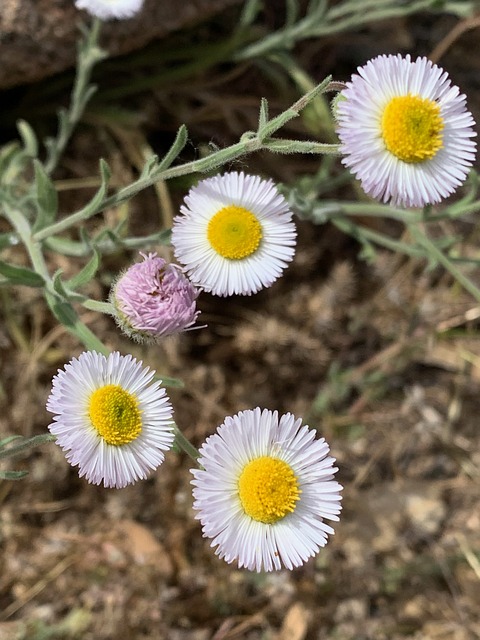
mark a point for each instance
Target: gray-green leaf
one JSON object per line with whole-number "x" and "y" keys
{"x": 21, "y": 275}
{"x": 47, "y": 198}
{"x": 13, "y": 475}
{"x": 86, "y": 274}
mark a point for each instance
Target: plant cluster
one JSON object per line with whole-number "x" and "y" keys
{"x": 263, "y": 484}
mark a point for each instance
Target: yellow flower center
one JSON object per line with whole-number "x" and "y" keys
{"x": 234, "y": 232}
{"x": 412, "y": 128}
{"x": 268, "y": 489}
{"x": 115, "y": 414}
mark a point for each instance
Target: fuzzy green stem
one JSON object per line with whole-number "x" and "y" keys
{"x": 373, "y": 211}
{"x": 88, "y": 55}
{"x": 79, "y": 249}
{"x": 323, "y": 123}
{"x": 183, "y": 443}
{"x": 62, "y": 309}
{"x": 363, "y": 234}
{"x": 67, "y": 316}
{"x": 440, "y": 257}
{"x": 98, "y": 306}
{"x": 323, "y": 210}
{"x": 248, "y": 143}
{"x": 455, "y": 211}
{"x": 22, "y": 227}
{"x": 340, "y": 18}
{"x": 196, "y": 166}
{"x": 27, "y": 443}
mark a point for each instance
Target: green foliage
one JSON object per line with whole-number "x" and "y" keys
{"x": 29, "y": 199}
{"x": 20, "y": 275}
{"x": 326, "y": 19}
{"x": 21, "y": 446}
{"x": 46, "y": 198}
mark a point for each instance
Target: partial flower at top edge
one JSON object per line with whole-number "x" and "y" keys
{"x": 111, "y": 9}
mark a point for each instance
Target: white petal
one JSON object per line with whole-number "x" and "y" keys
{"x": 108, "y": 9}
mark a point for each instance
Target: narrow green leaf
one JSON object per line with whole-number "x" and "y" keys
{"x": 98, "y": 198}
{"x": 150, "y": 165}
{"x": 47, "y": 198}
{"x": 279, "y": 145}
{"x": 8, "y": 154}
{"x": 89, "y": 93}
{"x": 66, "y": 315}
{"x": 172, "y": 382}
{"x": 85, "y": 238}
{"x": 25, "y": 444}
{"x": 91, "y": 208}
{"x": 99, "y": 307}
{"x": 105, "y": 242}
{"x": 250, "y": 11}
{"x": 59, "y": 285}
{"x": 7, "y": 440}
{"x": 63, "y": 121}
{"x": 108, "y": 238}
{"x": 279, "y": 121}
{"x": 13, "y": 159}
{"x": 67, "y": 247}
{"x": 317, "y": 8}
{"x": 161, "y": 237}
{"x": 177, "y": 146}
{"x": 29, "y": 139}
{"x": 105, "y": 173}
{"x": 21, "y": 275}
{"x": 13, "y": 475}
{"x": 86, "y": 274}
{"x": 464, "y": 9}
{"x": 263, "y": 116}
{"x": 63, "y": 311}
{"x": 292, "y": 11}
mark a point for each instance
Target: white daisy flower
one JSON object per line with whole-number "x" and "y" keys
{"x": 112, "y": 420}
{"x": 405, "y": 131}
{"x": 265, "y": 486}
{"x": 236, "y": 234}
{"x": 109, "y": 9}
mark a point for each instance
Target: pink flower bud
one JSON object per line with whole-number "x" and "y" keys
{"x": 153, "y": 299}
